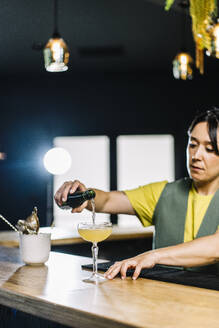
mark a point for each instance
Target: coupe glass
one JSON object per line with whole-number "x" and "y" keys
{"x": 95, "y": 233}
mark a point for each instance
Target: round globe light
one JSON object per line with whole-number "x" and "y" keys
{"x": 57, "y": 161}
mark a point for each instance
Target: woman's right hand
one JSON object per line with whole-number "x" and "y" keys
{"x": 69, "y": 187}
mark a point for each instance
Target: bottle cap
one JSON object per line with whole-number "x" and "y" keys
{"x": 90, "y": 194}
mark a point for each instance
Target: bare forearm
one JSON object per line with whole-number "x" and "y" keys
{"x": 101, "y": 200}
{"x": 201, "y": 251}
{"x": 113, "y": 202}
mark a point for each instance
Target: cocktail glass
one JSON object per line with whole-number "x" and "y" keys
{"x": 95, "y": 233}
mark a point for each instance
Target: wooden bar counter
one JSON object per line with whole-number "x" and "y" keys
{"x": 62, "y": 236}
{"x": 56, "y": 292}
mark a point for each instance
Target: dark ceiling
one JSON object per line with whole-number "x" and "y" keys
{"x": 101, "y": 34}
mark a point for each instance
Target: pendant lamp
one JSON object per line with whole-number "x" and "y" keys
{"x": 56, "y": 53}
{"x": 183, "y": 62}
{"x": 182, "y": 66}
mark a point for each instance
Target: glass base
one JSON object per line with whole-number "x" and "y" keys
{"x": 95, "y": 278}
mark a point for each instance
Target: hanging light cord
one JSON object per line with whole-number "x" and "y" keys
{"x": 56, "y": 33}
{"x": 184, "y": 6}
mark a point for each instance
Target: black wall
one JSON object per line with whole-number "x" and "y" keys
{"x": 36, "y": 109}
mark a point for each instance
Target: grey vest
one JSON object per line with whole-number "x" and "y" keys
{"x": 170, "y": 215}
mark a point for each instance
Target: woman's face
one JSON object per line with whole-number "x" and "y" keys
{"x": 202, "y": 161}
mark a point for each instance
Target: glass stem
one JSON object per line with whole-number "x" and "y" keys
{"x": 94, "y": 249}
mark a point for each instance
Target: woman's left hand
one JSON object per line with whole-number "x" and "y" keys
{"x": 139, "y": 262}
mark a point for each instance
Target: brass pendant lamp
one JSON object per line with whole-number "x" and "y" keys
{"x": 182, "y": 66}
{"x": 56, "y": 53}
{"x": 183, "y": 62}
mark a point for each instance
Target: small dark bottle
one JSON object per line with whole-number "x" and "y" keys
{"x": 77, "y": 199}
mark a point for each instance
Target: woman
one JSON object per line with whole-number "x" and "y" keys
{"x": 185, "y": 212}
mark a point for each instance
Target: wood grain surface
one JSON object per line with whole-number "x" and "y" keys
{"x": 56, "y": 291}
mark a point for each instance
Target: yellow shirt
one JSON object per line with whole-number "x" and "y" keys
{"x": 144, "y": 200}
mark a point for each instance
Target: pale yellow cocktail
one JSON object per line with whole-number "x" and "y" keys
{"x": 95, "y": 235}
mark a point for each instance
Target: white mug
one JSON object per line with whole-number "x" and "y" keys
{"x": 35, "y": 248}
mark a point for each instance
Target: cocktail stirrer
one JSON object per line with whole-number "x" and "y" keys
{"x": 6, "y": 221}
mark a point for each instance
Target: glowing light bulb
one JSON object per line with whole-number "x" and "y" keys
{"x": 184, "y": 59}
{"x": 57, "y": 51}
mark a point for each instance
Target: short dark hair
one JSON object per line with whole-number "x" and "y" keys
{"x": 212, "y": 118}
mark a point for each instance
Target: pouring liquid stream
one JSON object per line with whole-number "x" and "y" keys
{"x": 93, "y": 211}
